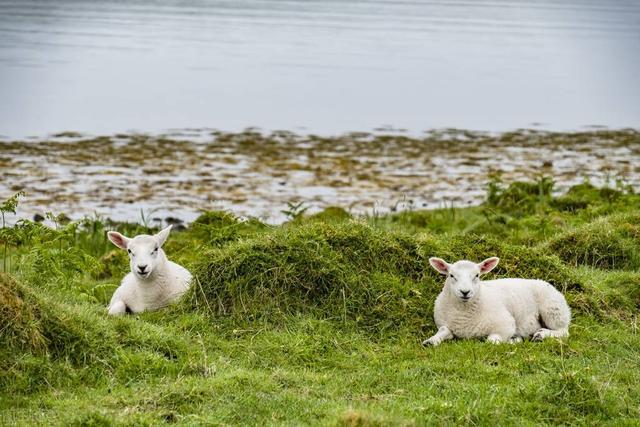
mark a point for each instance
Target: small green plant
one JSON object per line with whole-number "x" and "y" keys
{"x": 295, "y": 210}
{"x": 10, "y": 205}
{"x": 7, "y": 236}
{"x": 494, "y": 189}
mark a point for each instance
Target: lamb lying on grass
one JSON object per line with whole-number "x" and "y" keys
{"x": 504, "y": 310}
{"x": 154, "y": 281}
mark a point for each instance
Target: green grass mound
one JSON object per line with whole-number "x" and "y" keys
{"x": 611, "y": 242}
{"x": 55, "y": 338}
{"x": 609, "y": 294}
{"x": 345, "y": 271}
{"x": 19, "y": 317}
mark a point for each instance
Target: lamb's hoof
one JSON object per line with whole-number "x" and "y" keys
{"x": 538, "y": 336}
{"x": 430, "y": 343}
{"x": 515, "y": 339}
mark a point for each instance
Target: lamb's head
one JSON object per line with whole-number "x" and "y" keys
{"x": 145, "y": 252}
{"x": 463, "y": 277}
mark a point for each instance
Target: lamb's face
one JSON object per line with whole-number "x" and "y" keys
{"x": 463, "y": 280}
{"x": 144, "y": 251}
{"x": 463, "y": 277}
{"x": 143, "y": 255}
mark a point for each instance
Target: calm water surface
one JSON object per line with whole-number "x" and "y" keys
{"x": 321, "y": 66}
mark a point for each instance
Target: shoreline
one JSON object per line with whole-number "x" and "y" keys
{"x": 252, "y": 174}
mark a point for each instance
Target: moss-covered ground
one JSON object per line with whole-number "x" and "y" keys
{"x": 319, "y": 320}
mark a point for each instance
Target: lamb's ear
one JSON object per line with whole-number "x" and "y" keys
{"x": 118, "y": 239}
{"x": 488, "y": 264}
{"x": 162, "y": 235}
{"x": 440, "y": 265}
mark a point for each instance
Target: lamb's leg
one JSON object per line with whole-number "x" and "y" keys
{"x": 443, "y": 334}
{"x": 496, "y": 339}
{"x": 555, "y": 315}
{"x": 504, "y": 328}
{"x": 117, "y": 308}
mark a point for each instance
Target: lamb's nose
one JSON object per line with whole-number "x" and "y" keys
{"x": 465, "y": 293}
{"x": 142, "y": 268}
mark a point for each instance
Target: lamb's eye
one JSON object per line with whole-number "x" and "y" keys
{"x": 154, "y": 251}
{"x": 129, "y": 250}
{"x": 477, "y": 276}
{"x": 453, "y": 277}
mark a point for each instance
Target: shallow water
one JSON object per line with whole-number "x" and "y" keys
{"x": 249, "y": 174}
{"x": 323, "y": 66}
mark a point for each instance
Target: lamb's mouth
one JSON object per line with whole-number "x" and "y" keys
{"x": 144, "y": 275}
{"x": 465, "y": 299}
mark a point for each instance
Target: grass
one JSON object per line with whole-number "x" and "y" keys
{"x": 319, "y": 321}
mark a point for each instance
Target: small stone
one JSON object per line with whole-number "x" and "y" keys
{"x": 63, "y": 219}
{"x": 38, "y": 218}
{"x": 179, "y": 227}
{"x": 173, "y": 220}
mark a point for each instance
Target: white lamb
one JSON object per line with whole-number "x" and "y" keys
{"x": 154, "y": 281}
{"x": 504, "y": 310}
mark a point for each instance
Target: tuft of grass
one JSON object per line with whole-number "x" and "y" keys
{"x": 216, "y": 228}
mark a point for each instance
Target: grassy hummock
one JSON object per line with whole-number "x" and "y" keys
{"x": 319, "y": 320}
